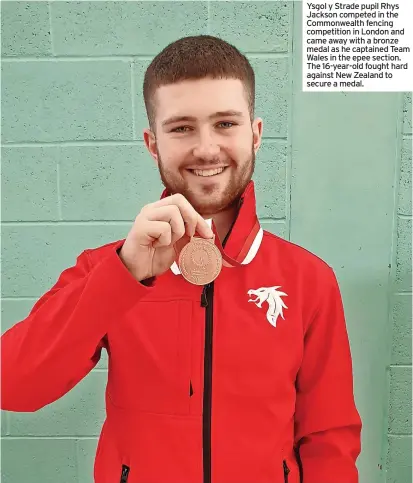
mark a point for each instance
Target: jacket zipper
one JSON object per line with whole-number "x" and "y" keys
{"x": 207, "y": 301}
{"x": 125, "y": 473}
{"x": 286, "y": 471}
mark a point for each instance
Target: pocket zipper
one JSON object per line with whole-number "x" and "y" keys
{"x": 125, "y": 473}
{"x": 286, "y": 471}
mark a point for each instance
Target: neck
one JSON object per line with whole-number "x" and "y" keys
{"x": 224, "y": 220}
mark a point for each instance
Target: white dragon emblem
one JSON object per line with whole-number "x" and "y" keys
{"x": 275, "y": 303}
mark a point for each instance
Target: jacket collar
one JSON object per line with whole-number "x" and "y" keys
{"x": 243, "y": 225}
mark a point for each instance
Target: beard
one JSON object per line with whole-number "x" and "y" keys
{"x": 213, "y": 198}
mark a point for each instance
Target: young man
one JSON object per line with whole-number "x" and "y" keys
{"x": 244, "y": 378}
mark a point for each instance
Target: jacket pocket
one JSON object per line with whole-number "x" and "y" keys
{"x": 286, "y": 471}
{"x": 125, "y": 473}
{"x": 150, "y": 359}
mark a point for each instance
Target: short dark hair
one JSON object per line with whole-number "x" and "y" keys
{"x": 197, "y": 57}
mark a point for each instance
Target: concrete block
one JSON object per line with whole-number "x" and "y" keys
{"x": 25, "y": 29}
{"x": 402, "y": 329}
{"x": 38, "y": 460}
{"x": 399, "y": 460}
{"x": 86, "y": 452}
{"x": 404, "y": 255}
{"x": 124, "y": 28}
{"x": 4, "y": 423}
{"x": 29, "y": 184}
{"x": 58, "y": 101}
{"x": 407, "y": 113}
{"x": 270, "y": 180}
{"x": 400, "y": 402}
{"x": 253, "y": 26}
{"x": 272, "y": 94}
{"x": 405, "y": 186}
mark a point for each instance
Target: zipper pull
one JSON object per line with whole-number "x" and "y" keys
{"x": 204, "y": 299}
{"x": 125, "y": 473}
{"x": 191, "y": 390}
{"x": 286, "y": 471}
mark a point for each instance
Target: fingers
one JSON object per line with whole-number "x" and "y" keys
{"x": 159, "y": 232}
{"x": 172, "y": 216}
{"x": 193, "y": 221}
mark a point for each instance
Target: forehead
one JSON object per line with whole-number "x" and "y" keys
{"x": 200, "y": 97}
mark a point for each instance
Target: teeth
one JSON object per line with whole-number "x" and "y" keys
{"x": 207, "y": 172}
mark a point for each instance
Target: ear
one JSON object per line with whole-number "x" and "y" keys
{"x": 150, "y": 143}
{"x": 257, "y": 129}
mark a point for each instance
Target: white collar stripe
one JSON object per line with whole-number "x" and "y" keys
{"x": 254, "y": 247}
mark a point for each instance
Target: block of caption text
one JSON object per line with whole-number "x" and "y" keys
{"x": 357, "y": 46}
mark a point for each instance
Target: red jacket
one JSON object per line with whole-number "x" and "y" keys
{"x": 246, "y": 380}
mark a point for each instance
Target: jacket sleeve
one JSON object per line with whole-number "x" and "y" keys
{"x": 327, "y": 423}
{"x": 45, "y": 355}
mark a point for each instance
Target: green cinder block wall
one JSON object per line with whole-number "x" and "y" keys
{"x": 333, "y": 175}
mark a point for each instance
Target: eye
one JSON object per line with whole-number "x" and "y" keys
{"x": 177, "y": 129}
{"x": 228, "y": 122}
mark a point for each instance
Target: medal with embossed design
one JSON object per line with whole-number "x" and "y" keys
{"x": 200, "y": 261}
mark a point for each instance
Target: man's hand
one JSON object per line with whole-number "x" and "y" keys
{"x": 149, "y": 247}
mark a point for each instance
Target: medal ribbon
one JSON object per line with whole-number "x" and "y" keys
{"x": 227, "y": 261}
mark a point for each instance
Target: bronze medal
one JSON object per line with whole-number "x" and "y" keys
{"x": 200, "y": 261}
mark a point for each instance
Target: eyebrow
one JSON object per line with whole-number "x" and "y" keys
{"x": 230, "y": 113}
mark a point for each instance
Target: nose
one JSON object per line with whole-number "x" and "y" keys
{"x": 206, "y": 147}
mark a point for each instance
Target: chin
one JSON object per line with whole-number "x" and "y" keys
{"x": 208, "y": 208}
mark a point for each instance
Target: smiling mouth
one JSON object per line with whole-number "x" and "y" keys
{"x": 206, "y": 173}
